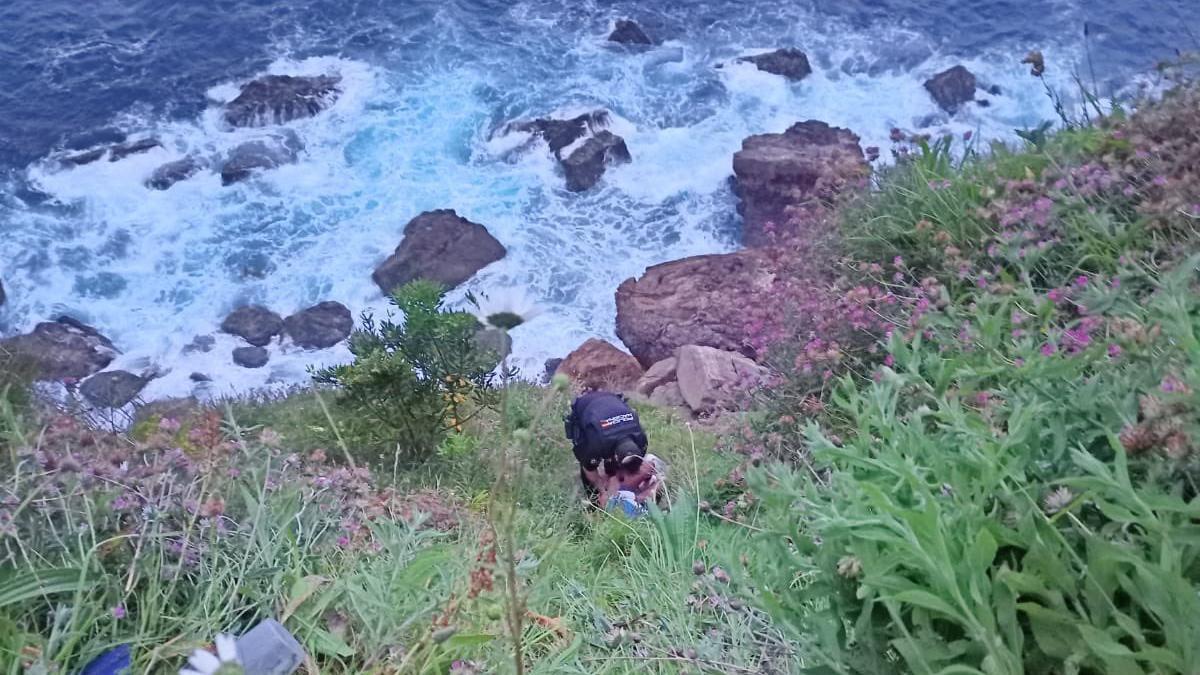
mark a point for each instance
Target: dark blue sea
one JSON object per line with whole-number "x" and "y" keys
{"x": 426, "y": 85}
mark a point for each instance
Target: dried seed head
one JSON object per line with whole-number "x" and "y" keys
{"x": 699, "y": 567}
{"x": 849, "y": 567}
{"x": 1057, "y": 500}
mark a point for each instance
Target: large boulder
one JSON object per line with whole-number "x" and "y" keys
{"x": 706, "y": 300}
{"x": 251, "y": 357}
{"x": 495, "y": 342}
{"x": 952, "y": 88}
{"x": 584, "y": 167}
{"x": 660, "y": 385}
{"x": 276, "y": 99}
{"x": 264, "y": 154}
{"x": 62, "y": 349}
{"x": 439, "y": 246}
{"x": 785, "y": 181}
{"x": 790, "y": 63}
{"x": 254, "y": 324}
{"x": 711, "y": 379}
{"x": 599, "y": 365}
{"x": 582, "y": 145}
{"x": 172, "y": 172}
{"x": 628, "y": 32}
{"x": 321, "y": 326}
{"x": 112, "y": 389}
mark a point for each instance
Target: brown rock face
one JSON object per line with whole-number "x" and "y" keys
{"x": 952, "y": 88}
{"x": 712, "y": 379}
{"x": 599, "y": 365}
{"x": 786, "y": 180}
{"x": 439, "y": 246}
{"x": 62, "y": 349}
{"x": 704, "y": 300}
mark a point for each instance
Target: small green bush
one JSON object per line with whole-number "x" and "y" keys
{"x": 419, "y": 379}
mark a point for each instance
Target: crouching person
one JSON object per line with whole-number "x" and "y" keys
{"x": 610, "y": 446}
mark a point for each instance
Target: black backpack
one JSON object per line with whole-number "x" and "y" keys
{"x": 597, "y": 422}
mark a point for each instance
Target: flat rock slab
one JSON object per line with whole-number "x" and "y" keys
{"x": 112, "y": 389}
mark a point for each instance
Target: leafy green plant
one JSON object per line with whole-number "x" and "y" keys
{"x": 420, "y": 378}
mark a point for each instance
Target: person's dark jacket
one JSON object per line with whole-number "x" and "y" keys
{"x": 597, "y": 424}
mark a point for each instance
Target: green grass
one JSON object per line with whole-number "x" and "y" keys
{"x": 624, "y": 593}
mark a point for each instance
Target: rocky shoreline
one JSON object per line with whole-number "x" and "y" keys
{"x": 691, "y": 326}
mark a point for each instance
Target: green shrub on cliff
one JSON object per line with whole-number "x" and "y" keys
{"x": 420, "y": 378}
{"x": 1015, "y": 488}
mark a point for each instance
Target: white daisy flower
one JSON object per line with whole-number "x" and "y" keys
{"x": 224, "y": 662}
{"x": 504, "y": 308}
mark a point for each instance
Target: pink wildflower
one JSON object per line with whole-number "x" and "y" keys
{"x": 118, "y": 612}
{"x": 1049, "y": 349}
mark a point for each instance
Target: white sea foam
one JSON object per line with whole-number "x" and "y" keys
{"x": 395, "y": 145}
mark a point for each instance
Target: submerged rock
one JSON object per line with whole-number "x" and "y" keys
{"x": 582, "y": 145}
{"x": 261, "y": 155}
{"x": 321, "y": 326}
{"x": 112, "y": 389}
{"x": 115, "y": 152}
{"x": 597, "y": 364}
{"x": 952, "y": 88}
{"x": 790, "y": 63}
{"x": 172, "y": 172}
{"x": 784, "y": 181}
{"x": 628, "y": 32}
{"x": 251, "y": 357}
{"x": 254, "y": 324}
{"x": 276, "y": 99}
{"x": 61, "y": 349}
{"x": 439, "y": 246}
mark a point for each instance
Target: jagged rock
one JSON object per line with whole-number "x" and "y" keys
{"x": 251, "y": 357}
{"x": 123, "y": 150}
{"x": 668, "y": 395}
{"x": 112, "y": 389}
{"x": 599, "y": 365}
{"x": 439, "y": 246}
{"x": 321, "y": 326}
{"x": 656, "y": 376}
{"x": 582, "y": 146}
{"x": 585, "y": 166}
{"x": 261, "y": 155}
{"x": 254, "y": 324}
{"x": 704, "y": 300}
{"x": 172, "y": 172}
{"x": 712, "y": 379}
{"x": 628, "y": 32}
{"x": 276, "y": 99}
{"x": 115, "y": 152}
{"x": 785, "y": 181}
{"x": 790, "y": 63}
{"x": 62, "y": 349}
{"x": 952, "y": 87}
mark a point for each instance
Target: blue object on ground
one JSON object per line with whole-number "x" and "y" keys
{"x": 269, "y": 649}
{"x": 112, "y": 662}
{"x": 627, "y": 502}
